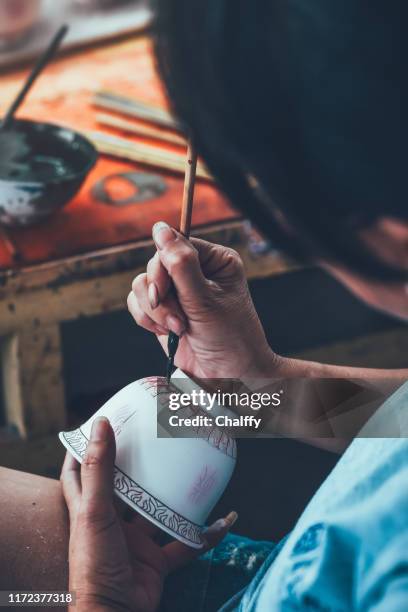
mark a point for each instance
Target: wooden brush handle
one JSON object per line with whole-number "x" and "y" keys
{"x": 188, "y": 193}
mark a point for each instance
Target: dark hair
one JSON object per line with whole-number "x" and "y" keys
{"x": 299, "y": 109}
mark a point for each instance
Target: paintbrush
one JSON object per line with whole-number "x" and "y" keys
{"x": 125, "y": 148}
{"x": 185, "y": 227}
{"x": 11, "y": 144}
{"x": 134, "y": 108}
{"x": 41, "y": 63}
{"x": 139, "y": 129}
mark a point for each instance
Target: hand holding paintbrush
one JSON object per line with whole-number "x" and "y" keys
{"x": 198, "y": 290}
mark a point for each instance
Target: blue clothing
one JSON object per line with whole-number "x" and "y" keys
{"x": 204, "y": 586}
{"x": 348, "y": 551}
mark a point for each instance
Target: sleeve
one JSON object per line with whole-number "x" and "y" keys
{"x": 394, "y": 596}
{"x": 387, "y": 580}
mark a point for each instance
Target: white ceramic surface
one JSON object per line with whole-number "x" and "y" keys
{"x": 174, "y": 482}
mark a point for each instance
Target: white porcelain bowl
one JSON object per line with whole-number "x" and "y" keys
{"x": 174, "y": 482}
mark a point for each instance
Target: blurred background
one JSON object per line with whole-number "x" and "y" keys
{"x": 26, "y": 24}
{"x": 68, "y": 342}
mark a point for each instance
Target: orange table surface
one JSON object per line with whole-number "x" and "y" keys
{"x": 63, "y": 95}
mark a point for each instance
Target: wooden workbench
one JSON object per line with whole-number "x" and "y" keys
{"x": 35, "y": 300}
{"x": 81, "y": 262}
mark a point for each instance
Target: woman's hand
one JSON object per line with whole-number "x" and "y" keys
{"x": 114, "y": 565}
{"x": 211, "y": 307}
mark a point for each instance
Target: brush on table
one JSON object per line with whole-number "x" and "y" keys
{"x": 130, "y": 150}
{"x": 185, "y": 227}
{"x": 138, "y": 129}
{"x": 135, "y": 108}
{"x": 41, "y": 63}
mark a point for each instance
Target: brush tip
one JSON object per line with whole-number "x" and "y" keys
{"x": 170, "y": 363}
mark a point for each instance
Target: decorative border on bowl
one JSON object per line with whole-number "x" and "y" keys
{"x": 215, "y": 436}
{"x": 141, "y": 498}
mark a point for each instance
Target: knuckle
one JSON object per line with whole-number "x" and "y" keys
{"x": 138, "y": 283}
{"x": 143, "y": 320}
{"x": 152, "y": 266}
{"x": 135, "y": 308}
{"x": 139, "y": 315}
{"x": 134, "y": 283}
{"x": 138, "y": 318}
{"x": 130, "y": 301}
{"x": 182, "y": 259}
{"x": 235, "y": 259}
{"x": 93, "y": 456}
{"x": 232, "y": 254}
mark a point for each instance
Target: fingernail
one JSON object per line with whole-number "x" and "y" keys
{"x": 153, "y": 296}
{"x": 162, "y": 234}
{"x": 222, "y": 523}
{"x": 231, "y": 518}
{"x": 175, "y": 325}
{"x": 100, "y": 429}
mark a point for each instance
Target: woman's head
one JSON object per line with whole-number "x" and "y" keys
{"x": 300, "y": 111}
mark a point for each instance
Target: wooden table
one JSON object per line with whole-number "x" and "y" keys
{"x": 81, "y": 262}
{"x": 35, "y": 300}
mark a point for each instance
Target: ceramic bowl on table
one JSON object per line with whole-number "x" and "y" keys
{"x": 42, "y": 167}
{"x": 173, "y": 482}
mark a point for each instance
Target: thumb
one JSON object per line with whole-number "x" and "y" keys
{"x": 97, "y": 469}
{"x": 181, "y": 260}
